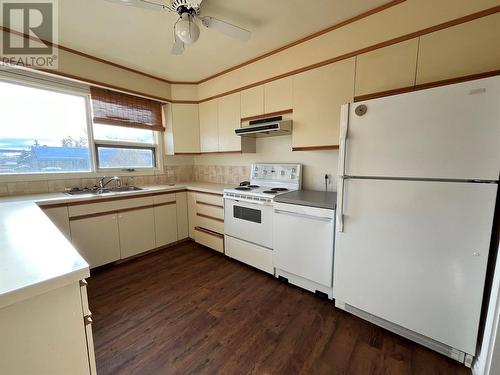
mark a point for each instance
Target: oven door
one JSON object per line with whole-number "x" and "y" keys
{"x": 252, "y": 222}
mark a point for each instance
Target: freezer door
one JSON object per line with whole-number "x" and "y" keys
{"x": 415, "y": 253}
{"x": 449, "y": 132}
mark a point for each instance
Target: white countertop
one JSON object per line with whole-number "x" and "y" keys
{"x": 35, "y": 257}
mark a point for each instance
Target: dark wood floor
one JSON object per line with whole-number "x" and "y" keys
{"x": 190, "y": 310}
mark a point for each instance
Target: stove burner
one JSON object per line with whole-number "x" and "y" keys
{"x": 243, "y": 188}
{"x": 279, "y": 189}
{"x": 253, "y": 186}
{"x": 270, "y": 192}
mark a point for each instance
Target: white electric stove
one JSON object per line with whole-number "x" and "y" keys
{"x": 248, "y": 213}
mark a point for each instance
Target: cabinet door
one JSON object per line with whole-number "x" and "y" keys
{"x": 209, "y": 135}
{"x": 165, "y": 223}
{"x": 137, "y": 231}
{"x": 186, "y": 128}
{"x": 387, "y": 68}
{"x": 317, "y": 97}
{"x": 45, "y": 334}
{"x": 252, "y": 102}
{"x": 229, "y": 119}
{"x": 182, "y": 216}
{"x": 191, "y": 201}
{"x": 96, "y": 239}
{"x": 468, "y": 48}
{"x": 59, "y": 216}
{"x": 278, "y": 95}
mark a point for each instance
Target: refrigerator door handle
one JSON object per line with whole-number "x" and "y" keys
{"x": 340, "y": 205}
{"x": 344, "y": 123}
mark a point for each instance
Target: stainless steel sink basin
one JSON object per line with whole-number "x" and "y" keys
{"x": 123, "y": 188}
{"x": 97, "y": 191}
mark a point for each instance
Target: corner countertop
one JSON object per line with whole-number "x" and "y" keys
{"x": 311, "y": 198}
{"x": 35, "y": 257}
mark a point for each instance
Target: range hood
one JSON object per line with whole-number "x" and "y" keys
{"x": 266, "y": 127}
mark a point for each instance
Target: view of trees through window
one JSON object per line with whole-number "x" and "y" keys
{"x": 45, "y": 131}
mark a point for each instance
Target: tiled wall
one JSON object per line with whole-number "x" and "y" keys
{"x": 221, "y": 174}
{"x": 173, "y": 174}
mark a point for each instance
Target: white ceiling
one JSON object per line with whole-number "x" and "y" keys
{"x": 142, "y": 38}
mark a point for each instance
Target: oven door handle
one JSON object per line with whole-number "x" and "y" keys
{"x": 248, "y": 201}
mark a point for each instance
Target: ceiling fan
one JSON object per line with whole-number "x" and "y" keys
{"x": 186, "y": 31}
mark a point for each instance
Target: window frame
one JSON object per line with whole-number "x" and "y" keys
{"x": 81, "y": 90}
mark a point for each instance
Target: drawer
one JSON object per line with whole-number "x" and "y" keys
{"x": 113, "y": 204}
{"x": 212, "y": 240}
{"x": 164, "y": 198}
{"x": 210, "y": 209}
{"x": 210, "y": 223}
{"x": 210, "y": 198}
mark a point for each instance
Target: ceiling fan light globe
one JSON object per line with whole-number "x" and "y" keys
{"x": 186, "y": 30}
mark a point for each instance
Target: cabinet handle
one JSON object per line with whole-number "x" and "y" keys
{"x": 87, "y": 319}
{"x": 83, "y": 283}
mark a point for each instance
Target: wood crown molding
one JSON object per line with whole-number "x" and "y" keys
{"x": 172, "y": 82}
{"x": 427, "y": 85}
{"x": 307, "y": 38}
{"x": 441, "y": 26}
{"x": 416, "y": 34}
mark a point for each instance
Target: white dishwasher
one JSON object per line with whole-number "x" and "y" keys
{"x": 303, "y": 239}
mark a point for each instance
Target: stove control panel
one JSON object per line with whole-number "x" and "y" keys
{"x": 281, "y": 175}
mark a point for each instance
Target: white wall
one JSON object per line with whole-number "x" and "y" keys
{"x": 278, "y": 150}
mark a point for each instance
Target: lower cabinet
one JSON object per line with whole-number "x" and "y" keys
{"x": 137, "y": 231}
{"x": 165, "y": 216}
{"x": 206, "y": 219}
{"x": 48, "y": 334}
{"x": 117, "y": 229}
{"x": 96, "y": 238}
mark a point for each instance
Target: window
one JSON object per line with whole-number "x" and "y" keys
{"x": 47, "y": 128}
{"x": 42, "y": 131}
{"x": 125, "y": 130}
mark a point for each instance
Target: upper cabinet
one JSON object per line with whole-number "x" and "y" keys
{"x": 278, "y": 95}
{"x": 274, "y": 96}
{"x": 387, "y": 68}
{"x": 468, "y": 48}
{"x": 317, "y": 97}
{"x": 218, "y": 120}
{"x": 209, "y": 133}
{"x": 182, "y": 133}
{"x": 252, "y": 101}
{"x": 229, "y": 119}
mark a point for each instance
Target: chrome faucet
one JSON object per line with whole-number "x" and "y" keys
{"x": 103, "y": 184}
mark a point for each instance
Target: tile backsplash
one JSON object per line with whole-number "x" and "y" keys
{"x": 173, "y": 174}
{"x": 221, "y": 174}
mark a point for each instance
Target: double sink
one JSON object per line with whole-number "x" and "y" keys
{"x": 98, "y": 191}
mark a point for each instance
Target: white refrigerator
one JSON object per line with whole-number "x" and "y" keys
{"x": 418, "y": 180}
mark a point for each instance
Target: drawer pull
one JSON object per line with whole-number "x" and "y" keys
{"x": 83, "y": 283}
{"x": 87, "y": 319}
{"x": 210, "y": 204}
{"x": 209, "y": 217}
{"x": 209, "y": 232}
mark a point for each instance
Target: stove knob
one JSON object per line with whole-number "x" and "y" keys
{"x": 292, "y": 176}
{"x": 282, "y": 172}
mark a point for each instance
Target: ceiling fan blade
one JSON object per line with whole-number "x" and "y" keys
{"x": 140, "y": 4}
{"x": 178, "y": 47}
{"x": 226, "y": 28}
